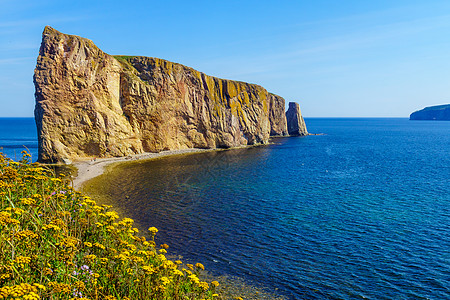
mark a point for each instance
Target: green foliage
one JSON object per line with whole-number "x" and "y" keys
{"x": 124, "y": 58}
{"x": 56, "y": 243}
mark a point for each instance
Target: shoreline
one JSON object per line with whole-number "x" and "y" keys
{"x": 88, "y": 169}
{"x": 230, "y": 285}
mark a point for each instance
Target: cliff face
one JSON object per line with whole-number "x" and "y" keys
{"x": 438, "y": 113}
{"x": 295, "y": 123}
{"x": 89, "y": 103}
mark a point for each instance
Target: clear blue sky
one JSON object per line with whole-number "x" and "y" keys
{"x": 336, "y": 58}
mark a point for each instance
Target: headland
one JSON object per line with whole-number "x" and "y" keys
{"x": 90, "y": 104}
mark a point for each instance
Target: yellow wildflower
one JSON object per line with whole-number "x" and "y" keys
{"x": 51, "y": 226}
{"x": 203, "y": 285}
{"x": 5, "y": 219}
{"x": 153, "y": 230}
{"x": 22, "y": 260}
{"x": 27, "y": 201}
{"x": 162, "y": 257}
{"x": 39, "y": 286}
{"x": 187, "y": 271}
{"x": 194, "y": 278}
{"x": 148, "y": 270}
{"x": 90, "y": 257}
{"x": 48, "y": 271}
{"x": 165, "y": 280}
{"x": 112, "y": 215}
{"x": 25, "y": 234}
{"x": 98, "y": 245}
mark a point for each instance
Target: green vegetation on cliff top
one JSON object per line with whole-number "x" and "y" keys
{"x": 127, "y": 60}
{"x": 224, "y": 92}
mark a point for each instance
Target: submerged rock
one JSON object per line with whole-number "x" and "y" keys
{"x": 295, "y": 123}
{"x": 438, "y": 113}
{"x": 91, "y": 104}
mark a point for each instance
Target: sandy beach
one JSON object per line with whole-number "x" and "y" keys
{"x": 88, "y": 169}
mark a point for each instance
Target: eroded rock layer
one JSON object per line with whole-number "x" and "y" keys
{"x": 91, "y": 104}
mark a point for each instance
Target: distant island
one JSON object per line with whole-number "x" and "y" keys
{"x": 438, "y": 113}
{"x": 90, "y": 104}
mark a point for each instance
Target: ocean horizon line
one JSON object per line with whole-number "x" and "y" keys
{"x": 303, "y": 117}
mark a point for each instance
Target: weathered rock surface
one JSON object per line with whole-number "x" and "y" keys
{"x": 438, "y": 113}
{"x": 91, "y": 104}
{"x": 295, "y": 123}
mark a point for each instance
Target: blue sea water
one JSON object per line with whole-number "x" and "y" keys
{"x": 16, "y": 135}
{"x": 361, "y": 212}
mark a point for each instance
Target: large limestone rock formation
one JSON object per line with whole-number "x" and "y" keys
{"x": 295, "y": 123}
{"x": 91, "y": 104}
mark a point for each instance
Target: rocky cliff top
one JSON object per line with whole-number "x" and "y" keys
{"x": 91, "y": 104}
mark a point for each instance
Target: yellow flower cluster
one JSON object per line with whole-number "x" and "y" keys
{"x": 5, "y": 219}
{"x": 62, "y": 245}
{"x": 98, "y": 245}
{"x": 90, "y": 257}
{"x": 59, "y": 287}
{"x": 24, "y": 290}
{"x": 112, "y": 215}
{"x": 22, "y": 260}
{"x": 28, "y": 201}
{"x": 153, "y": 230}
{"x": 25, "y": 234}
{"x": 215, "y": 283}
{"x": 4, "y": 276}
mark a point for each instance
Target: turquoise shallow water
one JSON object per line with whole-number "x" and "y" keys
{"x": 360, "y": 212}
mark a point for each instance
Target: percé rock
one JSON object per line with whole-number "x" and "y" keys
{"x": 295, "y": 123}
{"x": 91, "y": 104}
{"x": 438, "y": 113}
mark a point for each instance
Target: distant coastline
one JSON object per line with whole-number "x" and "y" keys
{"x": 432, "y": 113}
